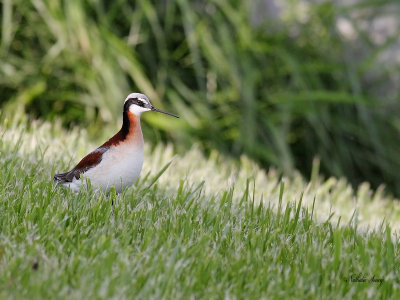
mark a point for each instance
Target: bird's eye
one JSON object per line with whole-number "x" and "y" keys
{"x": 140, "y": 103}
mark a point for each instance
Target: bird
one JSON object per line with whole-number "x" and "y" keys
{"x": 118, "y": 162}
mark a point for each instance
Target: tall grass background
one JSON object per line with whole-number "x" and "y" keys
{"x": 281, "y": 93}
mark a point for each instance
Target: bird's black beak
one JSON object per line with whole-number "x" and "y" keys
{"x": 164, "y": 112}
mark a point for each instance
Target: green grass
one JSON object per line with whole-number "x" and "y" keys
{"x": 206, "y": 228}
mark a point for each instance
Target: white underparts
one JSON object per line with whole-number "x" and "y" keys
{"x": 120, "y": 167}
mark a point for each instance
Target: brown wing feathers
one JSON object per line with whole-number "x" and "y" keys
{"x": 89, "y": 161}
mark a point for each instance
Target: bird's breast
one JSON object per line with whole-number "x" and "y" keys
{"x": 119, "y": 168}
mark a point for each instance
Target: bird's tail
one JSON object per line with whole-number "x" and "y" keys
{"x": 63, "y": 177}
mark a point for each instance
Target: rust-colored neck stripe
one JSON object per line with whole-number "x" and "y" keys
{"x": 130, "y": 129}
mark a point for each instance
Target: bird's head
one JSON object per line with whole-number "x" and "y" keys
{"x": 138, "y": 103}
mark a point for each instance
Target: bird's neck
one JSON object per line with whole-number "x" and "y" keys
{"x": 130, "y": 129}
{"x": 130, "y": 132}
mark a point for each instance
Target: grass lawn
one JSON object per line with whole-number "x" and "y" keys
{"x": 202, "y": 228}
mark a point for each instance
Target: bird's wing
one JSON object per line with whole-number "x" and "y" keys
{"x": 89, "y": 161}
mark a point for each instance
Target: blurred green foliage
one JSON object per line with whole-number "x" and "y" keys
{"x": 280, "y": 94}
